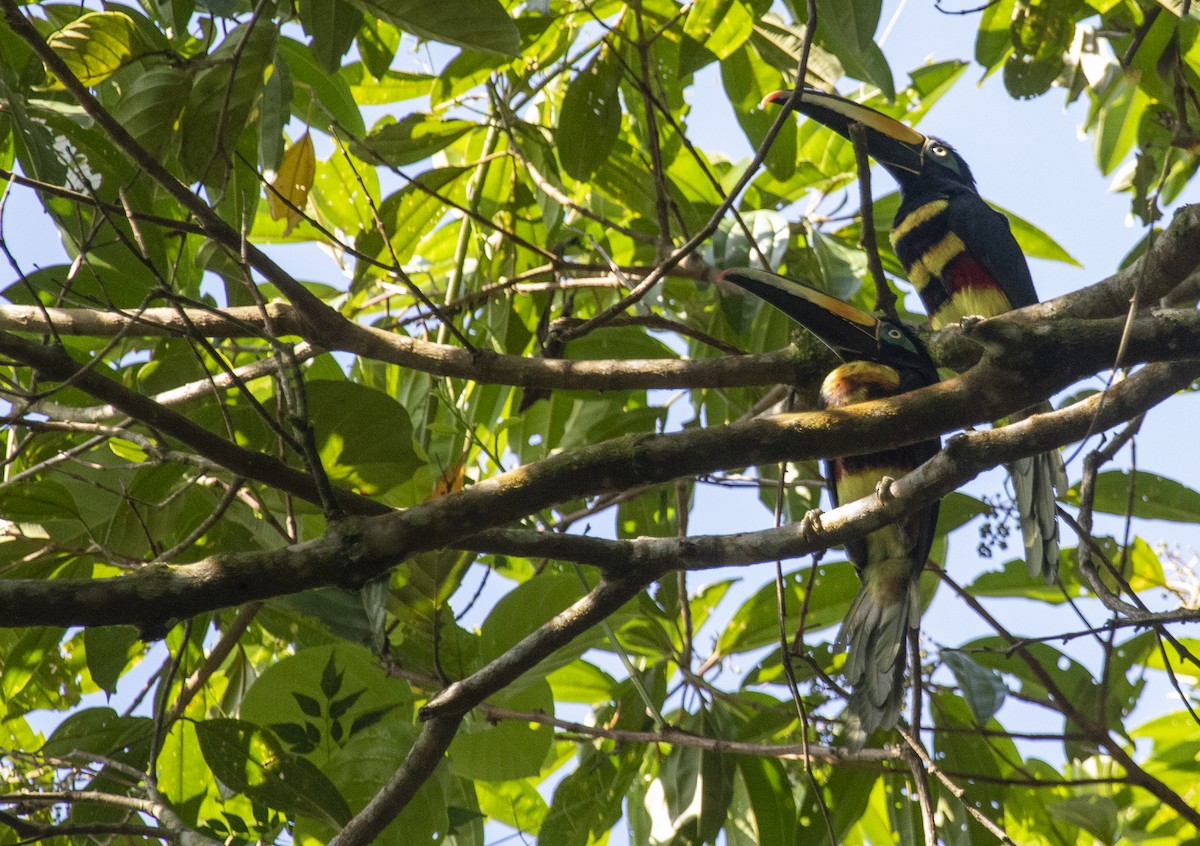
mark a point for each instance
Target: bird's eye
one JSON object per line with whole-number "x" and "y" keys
{"x": 938, "y": 150}
{"x": 894, "y": 334}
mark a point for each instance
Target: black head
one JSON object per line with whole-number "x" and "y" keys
{"x": 910, "y": 157}
{"x": 852, "y": 334}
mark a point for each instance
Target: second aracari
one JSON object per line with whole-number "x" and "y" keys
{"x": 880, "y": 359}
{"x": 961, "y": 256}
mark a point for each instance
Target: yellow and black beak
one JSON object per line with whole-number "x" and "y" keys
{"x": 896, "y": 146}
{"x": 851, "y": 333}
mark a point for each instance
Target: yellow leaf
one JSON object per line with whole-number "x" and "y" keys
{"x": 451, "y": 481}
{"x": 293, "y": 182}
{"x": 96, "y": 45}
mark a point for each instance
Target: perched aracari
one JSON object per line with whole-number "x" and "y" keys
{"x": 881, "y": 359}
{"x": 961, "y": 256}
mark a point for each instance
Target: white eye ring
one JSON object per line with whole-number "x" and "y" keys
{"x": 938, "y": 149}
{"x": 893, "y": 333}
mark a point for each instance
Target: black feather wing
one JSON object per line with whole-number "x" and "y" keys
{"x": 988, "y": 237}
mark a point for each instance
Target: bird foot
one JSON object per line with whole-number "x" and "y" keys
{"x": 883, "y": 489}
{"x": 970, "y": 321}
{"x": 810, "y": 524}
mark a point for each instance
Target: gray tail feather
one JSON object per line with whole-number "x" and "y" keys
{"x": 877, "y": 637}
{"x": 1037, "y": 481}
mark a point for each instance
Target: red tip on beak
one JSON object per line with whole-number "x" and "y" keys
{"x": 775, "y": 98}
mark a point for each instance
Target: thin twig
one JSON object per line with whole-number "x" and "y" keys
{"x": 885, "y": 297}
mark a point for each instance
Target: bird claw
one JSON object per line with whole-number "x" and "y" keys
{"x": 810, "y": 523}
{"x": 883, "y": 489}
{"x": 970, "y": 321}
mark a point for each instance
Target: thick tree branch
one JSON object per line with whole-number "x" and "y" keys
{"x": 428, "y": 357}
{"x": 422, "y": 759}
{"x": 968, "y": 455}
{"x": 358, "y": 550}
{"x": 601, "y": 602}
{"x": 1173, "y": 258}
{"x": 1160, "y": 334}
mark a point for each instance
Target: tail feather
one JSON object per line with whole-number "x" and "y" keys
{"x": 1037, "y": 482}
{"x": 876, "y": 633}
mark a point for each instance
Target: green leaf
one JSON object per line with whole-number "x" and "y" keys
{"x": 407, "y": 216}
{"x": 781, "y": 44}
{"x": 525, "y": 608}
{"x": 461, "y": 74}
{"x": 98, "y": 44}
{"x": 697, "y": 784}
{"x": 1071, "y": 679}
{"x": 722, "y": 26}
{"x": 1154, "y": 497}
{"x": 418, "y": 136}
{"x": 847, "y": 28}
{"x": 37, "y": 502}
{"x": 331, "y": 678}
{"x": 1181, "y": 663}
{"x": 621, "y": 344}
{"x": 770, "y": 231}
{"x": 506, "y": 749}
{"x": 581, "y": 681}
{"x": 516, "y": 804}
{"x": 841, "y": 265}
{"x": 590, "y": 117}
{"x": 482, "y": 25}
{"x": 1013, "y": 580}
{"x": 929, "y": 84}
{"x": 1117, "y": 126}
{"x": 756, "y": 623}
{"x": 1034, "y": 242}
{"x": 963, "y": 749}
{"x": 1145, "y": 568}
{"x": 957, "y": 509}
{"x": 318, "y": 92}
{"x": 222, "y": 99}
{"x": 747, "y": 80}
{"x": 26, "y": 657}
{"x": 983, "y": 689}
{"x": 587, "y": 803}
{"x": 151, "y": 104}
{"x": 389, "y": 87}
{"x": 250, "y": 760}
{"x": 272, "y": 698}
{"x": 993, "y": 42}
{"x": 343, "y": 191}
{"x": 769, "y": 791}
{"x": 1093, "y": 813}
{"x": 364, "y": 437}
{"x": 332, "y": 25}
{"x": 108, "y": 651}
{"x": 362, "y": 767}
{"x": 651, "y": 514}
{"x": 99, "y": 731}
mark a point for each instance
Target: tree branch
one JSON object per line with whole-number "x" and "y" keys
{"x": 600, "y": 603}
{"x": 319, "y": 319}
{"x": 56, "y": 365}
{"x": 1063, "y": 702}
{"x": 965, "y": 457}
{"x": 422, "y": 759}
{"x": 360, "y": 549}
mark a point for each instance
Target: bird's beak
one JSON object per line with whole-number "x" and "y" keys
{"x": 850, "y": 332}
{"x": 896, "y": 146}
